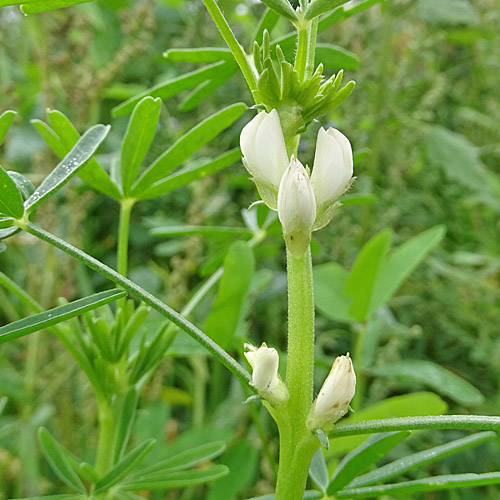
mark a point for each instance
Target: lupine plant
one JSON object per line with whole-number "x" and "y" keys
{"x": 290, "y": 91}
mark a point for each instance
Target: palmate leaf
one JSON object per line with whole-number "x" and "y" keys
{"x": 318, "y": 7}
{"x": 57, "y": 315}
{"x": 201, "y": 55}
{"x": 356, "y": 462}
{"x": 418, "y": 460}
{"x": 436, "y": 483}
{"x": 92, "y": 173}
{"x": 186, "y": 146}
{"x": 189, "y": 174}
{"x": 69, "y": 166}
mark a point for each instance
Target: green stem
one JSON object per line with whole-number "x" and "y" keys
{"x": 302, "y": 51}
{"x": 105, "y": 448}
{"x": 311, "y": 47}
{"x": 482, "y": 422}
{"x": 123, "y": 234}
{"x": 229, "y": 362}
{"x": 297, "y": 445}
{"x": 232, "y": 43}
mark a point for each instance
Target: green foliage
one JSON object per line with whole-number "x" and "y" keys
{"x": 57, "y": 315}
{"x": 225, "y": 314}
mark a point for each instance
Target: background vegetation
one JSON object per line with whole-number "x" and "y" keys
{"x": 424, "y": 120}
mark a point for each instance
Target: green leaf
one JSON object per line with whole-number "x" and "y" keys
{"x": 318, "y": 471}
{"x": 127, "y": 414}
{"x": 124, "y": 466}
{"x": 92, "y": 173}
{"x": 36, "y": 6}
{"x": 204, "y": 55}
{"x": 401, "y": 263}
{"x": 187, "y": 145}
{"x": 345, "y": 11}
{"x": 208, "y": 87}
{"x": 58, "y": 460}
{"x": 186, "y": 459}
{"x": 140, "y": 133}
{"x": 225, "y": 314}
{"x": 6, "y": 119}
{"x": 435, "y": 483}
{"x": 461, "y": 162}
{"x": 364, "y": 273}
{"x": 397, "y": 406}
{"x": 329, "y": 284}
{"x": 54, "y": 316}
{"x": 171, "y": 87}
{"x": 181, "y": 479}
{"x": 24, "y": 185}
{"x": 448, "y": 12}
{"x": 57, "y": 497}
{"x": 282, "y": 7}
{"x": 418, "y": 460}
{"x": 356, "y": 462}
{"x": 436, "y": 377}
{"x": 242, "y": 460}
{"x": 319, "y": 7}
{"x": 200, "y": 230}
{"x": 11, "y": 201}
{"x": 332, "y": 56}
{"x": 69, "y": 166}
{"x": 190, "y": 174}
{"x": 50, "y": 137}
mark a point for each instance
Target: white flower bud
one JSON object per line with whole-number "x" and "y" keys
{"x": 265, "y": 377}
{"x": 334, "y": 397}
{"x": 332, "y": 172}
{"x": 264, "y": 153}
{"x": 296, "y": 207}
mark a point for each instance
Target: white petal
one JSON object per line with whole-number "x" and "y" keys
{"x": 247, "y": 142}
{"x": 265, "y": 367}
{"x": 296, "y": 203}
{"x": 332, "y": 169}
{"x": 271, "y": 155}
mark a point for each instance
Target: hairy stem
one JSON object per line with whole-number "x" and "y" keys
{"x": 297, "y": 444}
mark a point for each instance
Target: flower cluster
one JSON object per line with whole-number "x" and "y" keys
{"x": 333, "y": 399}
{"x": 304, "y": 203}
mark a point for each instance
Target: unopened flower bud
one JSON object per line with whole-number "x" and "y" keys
{"x": 334, "y": 397}
{"x": 264, "y": 154}
{"x": 296, "y": 207}
{"x": 332, "y": 172}
{"x": 265, "y": 377}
